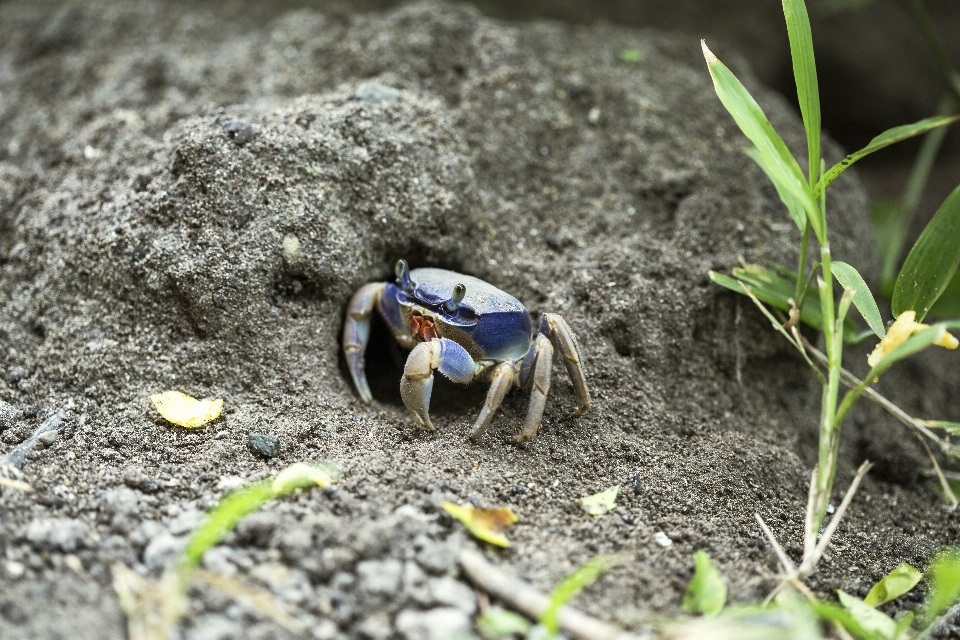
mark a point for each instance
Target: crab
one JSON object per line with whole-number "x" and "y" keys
{"x": 468, "y": 330}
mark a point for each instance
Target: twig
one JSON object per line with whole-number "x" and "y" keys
{"x": 16, "y": 457}
{"x": 789, "y": 569}
{"x": 15, "y": 484}
{"x": 520, "y": 596}
{"x": 811, "y": 561}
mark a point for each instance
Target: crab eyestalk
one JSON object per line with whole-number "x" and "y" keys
{"x": 403, "y": 275}
{"x": 459, "y": 291}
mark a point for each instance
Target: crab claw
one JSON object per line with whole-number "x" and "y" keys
{"x": 416, "y": 385}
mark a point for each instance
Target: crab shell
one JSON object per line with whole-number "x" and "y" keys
{"x": 489, "y": 323}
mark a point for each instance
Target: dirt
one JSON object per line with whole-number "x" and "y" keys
{"x": 160, "y": 156}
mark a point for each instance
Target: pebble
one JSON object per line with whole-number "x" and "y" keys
{"x": 136, "y": 478}
{"x": 379, "y": 576}
{"x": 662, "y": 539}
{"x": 453, "y": 593}
{"x": 14, "y": 569}
{"x": 63, "y": 534}
{"x": 376, "y": 92}
{"x": 216, "y": 627}
{"x": 47, "y": 438}
{"x": 435, "y": 624}
{"x": 240, "y": 132}
{"x": 264, "y": 445}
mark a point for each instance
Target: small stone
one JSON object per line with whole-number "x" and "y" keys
{"x": 379, "y": 576}
{"x": 637, "y": 482}
{"x": 325, "y": 630}
{"x": 435, "y": 624}
{"x": 264, "y": 445}
{"x": 593, "y": 117}
{"x": 15, "y": 570}
{"x": 137, "y": 478}
{"x": 662, "y": 539}
{"x": 216, "y": 627}
{"x": 47, "y": 438}
{"x": 240, "y": 132}
{"x": 17, "y": 374}
{"x": 63, "y": 534}
{"x": 376, "y": 92}
{"x": 375, "y": 627}
{"x": 292, "y": 254}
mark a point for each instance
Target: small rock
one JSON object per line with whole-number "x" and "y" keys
{"x": 240, "y": 132}
{"x": 137, "y": 478}
{"x": 17, "y": 374}
{"x": 439, "y": 557}
{"x": 186, "y": 522}
{"x": 637, "y": 483}
{"x": 376, "y": 92}
{"x": 47, "y": 438}
{"x": 325, "y": 630}
{"x": 264, "y": 445}
{"x": 14, "y": 569}
{"x": 435, "y": 624}
{"x": 662, "y": 539}
{"x": 121, "y": 501}
{"x": 161, "y": 550}
{"x": 63, "y": 534}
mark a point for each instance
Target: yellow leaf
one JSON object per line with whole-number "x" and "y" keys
{"x": 486, "y": 524}
{"x": 181, "y": 409}
{"x": 905, "y": 326}
{"x": 302, "y": 474}
{"x": 600, "y": 503}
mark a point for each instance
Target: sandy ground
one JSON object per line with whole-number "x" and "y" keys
{"x": 154, "y": 158}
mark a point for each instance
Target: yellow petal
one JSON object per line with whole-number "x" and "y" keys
{"x": 301, "y": 474}
{"x": 948, "y": 341}
{"x": 486, "y": 524}
{"x": 181, "y": 409}
{"x": 897, "y": 334}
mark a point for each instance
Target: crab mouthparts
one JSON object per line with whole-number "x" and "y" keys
{"x": 423, "y": 329}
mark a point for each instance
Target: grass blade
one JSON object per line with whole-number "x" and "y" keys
{"x": 863, "y": 300}
{"x": 885, "y": 139}
{"x": 805, "y": 75}
{"x": 948, "y": 304}
{"x": 573, "y": 584}
{"x": 796, "y": 211}
{"x": 932, "y": 261}
{"x": 774, "y": 154}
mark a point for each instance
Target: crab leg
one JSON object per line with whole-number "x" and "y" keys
{"x": 416, "y": 385}
{"x": 562, "y": 338}
{"x": 502, "y": 378}
{"x": 356, "y": 333}
{"x": 535, "y": 369}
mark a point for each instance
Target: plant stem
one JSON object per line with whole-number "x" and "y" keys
{"x": 802, "y": 284}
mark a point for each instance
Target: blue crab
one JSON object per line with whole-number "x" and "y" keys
{"x": 467, "y": 329}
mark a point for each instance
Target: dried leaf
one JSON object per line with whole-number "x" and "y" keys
{"x": 600, "y": 503}
{"x": 182, "y": 410}
{"x": 486, "y": 524}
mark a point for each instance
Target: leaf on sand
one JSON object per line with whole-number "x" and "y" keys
{"x": 486, "y": 524}
{"x": 182, "y": 410}
{"x": 706, "y": 592}
{"x": 893, "y": 585}
{"x": 875, "y": 623}
{"x": 600, "y": 503}
{"x": 301, "y": 474}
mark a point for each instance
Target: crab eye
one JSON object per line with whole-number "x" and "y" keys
{"x": 453, "y": 303}
{"x": 403, "y": 275}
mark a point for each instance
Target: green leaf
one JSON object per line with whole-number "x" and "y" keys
{"x": 631, "y": 55}
{"x": 885, "y": 139}
{"x": 706, "y": 592}
{"x": 953, "y": 428}
{"x": 497, "y": 622}
{"x": 948, "y": 304}
{"x": 794, "y": 207}
{"x": 600, "y": 503}
{"x": 944, "y": 584}
{"x": 893, "y": 585}
{"x": 870, "y": 620}
{"x": 573, "y": 584}
{"x": 932, "y": 261}
{"x": 805, "y": 75}
{"x": 774, "y": 155}
{"x": 777, "y": 291}
{"x": 863, "y": 300}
